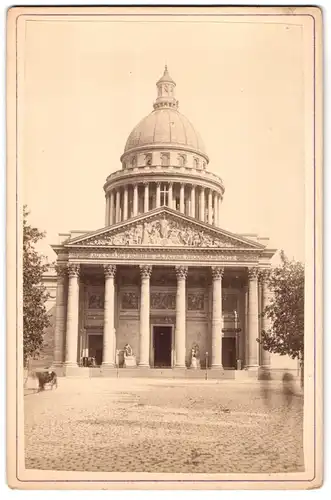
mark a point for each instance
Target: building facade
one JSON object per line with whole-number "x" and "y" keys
{"x": 161, "y": 275}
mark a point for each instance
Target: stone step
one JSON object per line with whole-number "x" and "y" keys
{"x": 139, "y": 372}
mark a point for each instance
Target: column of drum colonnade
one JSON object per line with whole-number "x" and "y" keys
{"x": 117, "y": 201}
{"x": 71, "y": 272}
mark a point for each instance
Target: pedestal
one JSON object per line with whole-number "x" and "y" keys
{"x": 130, "y": 362}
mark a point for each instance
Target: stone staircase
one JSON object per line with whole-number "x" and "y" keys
{"x": 166, "y": 373}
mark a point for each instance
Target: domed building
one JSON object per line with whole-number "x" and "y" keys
{"x": 161, "y": 284}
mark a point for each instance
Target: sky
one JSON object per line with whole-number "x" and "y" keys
{"x": 85, "y": 85}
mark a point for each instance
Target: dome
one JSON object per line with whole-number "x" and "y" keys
{"x": 165, "y": 126}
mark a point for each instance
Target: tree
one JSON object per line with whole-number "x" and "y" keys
{"x": 35, "y": 317}
{"x": 285, "y": 310}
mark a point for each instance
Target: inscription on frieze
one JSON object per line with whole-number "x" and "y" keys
{"x": 163, "y": 300}
{"x": 129, "y": 300}
{"x": 127, "y": 254}
{"x": 196, "y": 301}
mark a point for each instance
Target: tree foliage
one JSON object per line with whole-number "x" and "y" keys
{"x": 35, "y": 317}
{"x": 285, "y": 310}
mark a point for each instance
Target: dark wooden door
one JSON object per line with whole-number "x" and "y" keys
{"x": 162, "y": 346}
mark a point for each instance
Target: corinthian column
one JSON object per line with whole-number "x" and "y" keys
{"x": 146, "y": 198}
{"x": 192, "y": 214}
{"x": 265, "y": 323}
{"x": 60, "y": 315}
{"x": 253, "y": 318}
{"x": 111, "y": 207}
{"x": 170, "y": 195}
{"x": 217, "y": 318}
{"x": 145, "y": 273}
{"x": 108, "y": 356}
{"x": 158, "y": 195}
{"x": 107, "y": 210}
{"x": 182, "y": 198}
{"x": 72, "y": 316}
{"x": 202, "y": 204}
{"x": 210, "y": 207}
{"x": 125, "y": 203}
{"x": 215, "y": 209}
{"x": 135, "y": 200}
{"x": 118, "y": 205}
{"x": 180, "y": 335}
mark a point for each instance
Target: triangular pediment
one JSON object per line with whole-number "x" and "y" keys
{"x": 164, "y": 227}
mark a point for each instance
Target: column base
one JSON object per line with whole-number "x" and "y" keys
{"x": 58, "y": 367}
{"x": 217, "y": 367}
{"x": 180, "y": 367}
{"x": 108, "y": 369}
{"x": 143, "y": 365}
{"x": 107, "y": 365}
{"x": 252, "y": 368}
{"x": 71, "y": 369}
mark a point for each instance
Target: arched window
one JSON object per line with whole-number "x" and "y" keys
{"x": 182, "y": 160}
{"x": 196, "y": 162}
{"x": 165, "y": 159}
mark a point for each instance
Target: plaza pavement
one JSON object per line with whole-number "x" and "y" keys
{"x": 162, "y": 425}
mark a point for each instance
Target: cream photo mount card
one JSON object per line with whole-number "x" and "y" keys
{"x": 164, "y": 248}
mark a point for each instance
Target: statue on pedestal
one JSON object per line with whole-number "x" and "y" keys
{"x": 195, "y": 357}
{"x": 129, "y": 357}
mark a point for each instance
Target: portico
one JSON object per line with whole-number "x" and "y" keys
{"x": 103, "y": 301}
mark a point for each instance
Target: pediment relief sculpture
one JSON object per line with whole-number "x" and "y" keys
{"x": 164, "y": 232}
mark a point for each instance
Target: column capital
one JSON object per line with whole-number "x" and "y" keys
{"x": 73, "y": 270}
{"x": 61, "y": 270}
{"x": 253, "y": 273}
{"x": 181, "y": 272}
{"x": 217, "y": 272}
{"x": 158, "y": 183}
{"x": 109, "y": 270}
{"x": 264, "y": 275}
{"x": 145, "y": 271}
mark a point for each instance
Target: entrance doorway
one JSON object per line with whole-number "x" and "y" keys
{"x": 162, "y": 340}
{"x": 95, "y": 345}
{"x": 229, "y": 352}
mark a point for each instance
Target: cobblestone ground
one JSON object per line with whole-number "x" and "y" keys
{"x": 135, "y": 425}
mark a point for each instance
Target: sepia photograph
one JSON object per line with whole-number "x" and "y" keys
{"x": 164, "y": 227}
